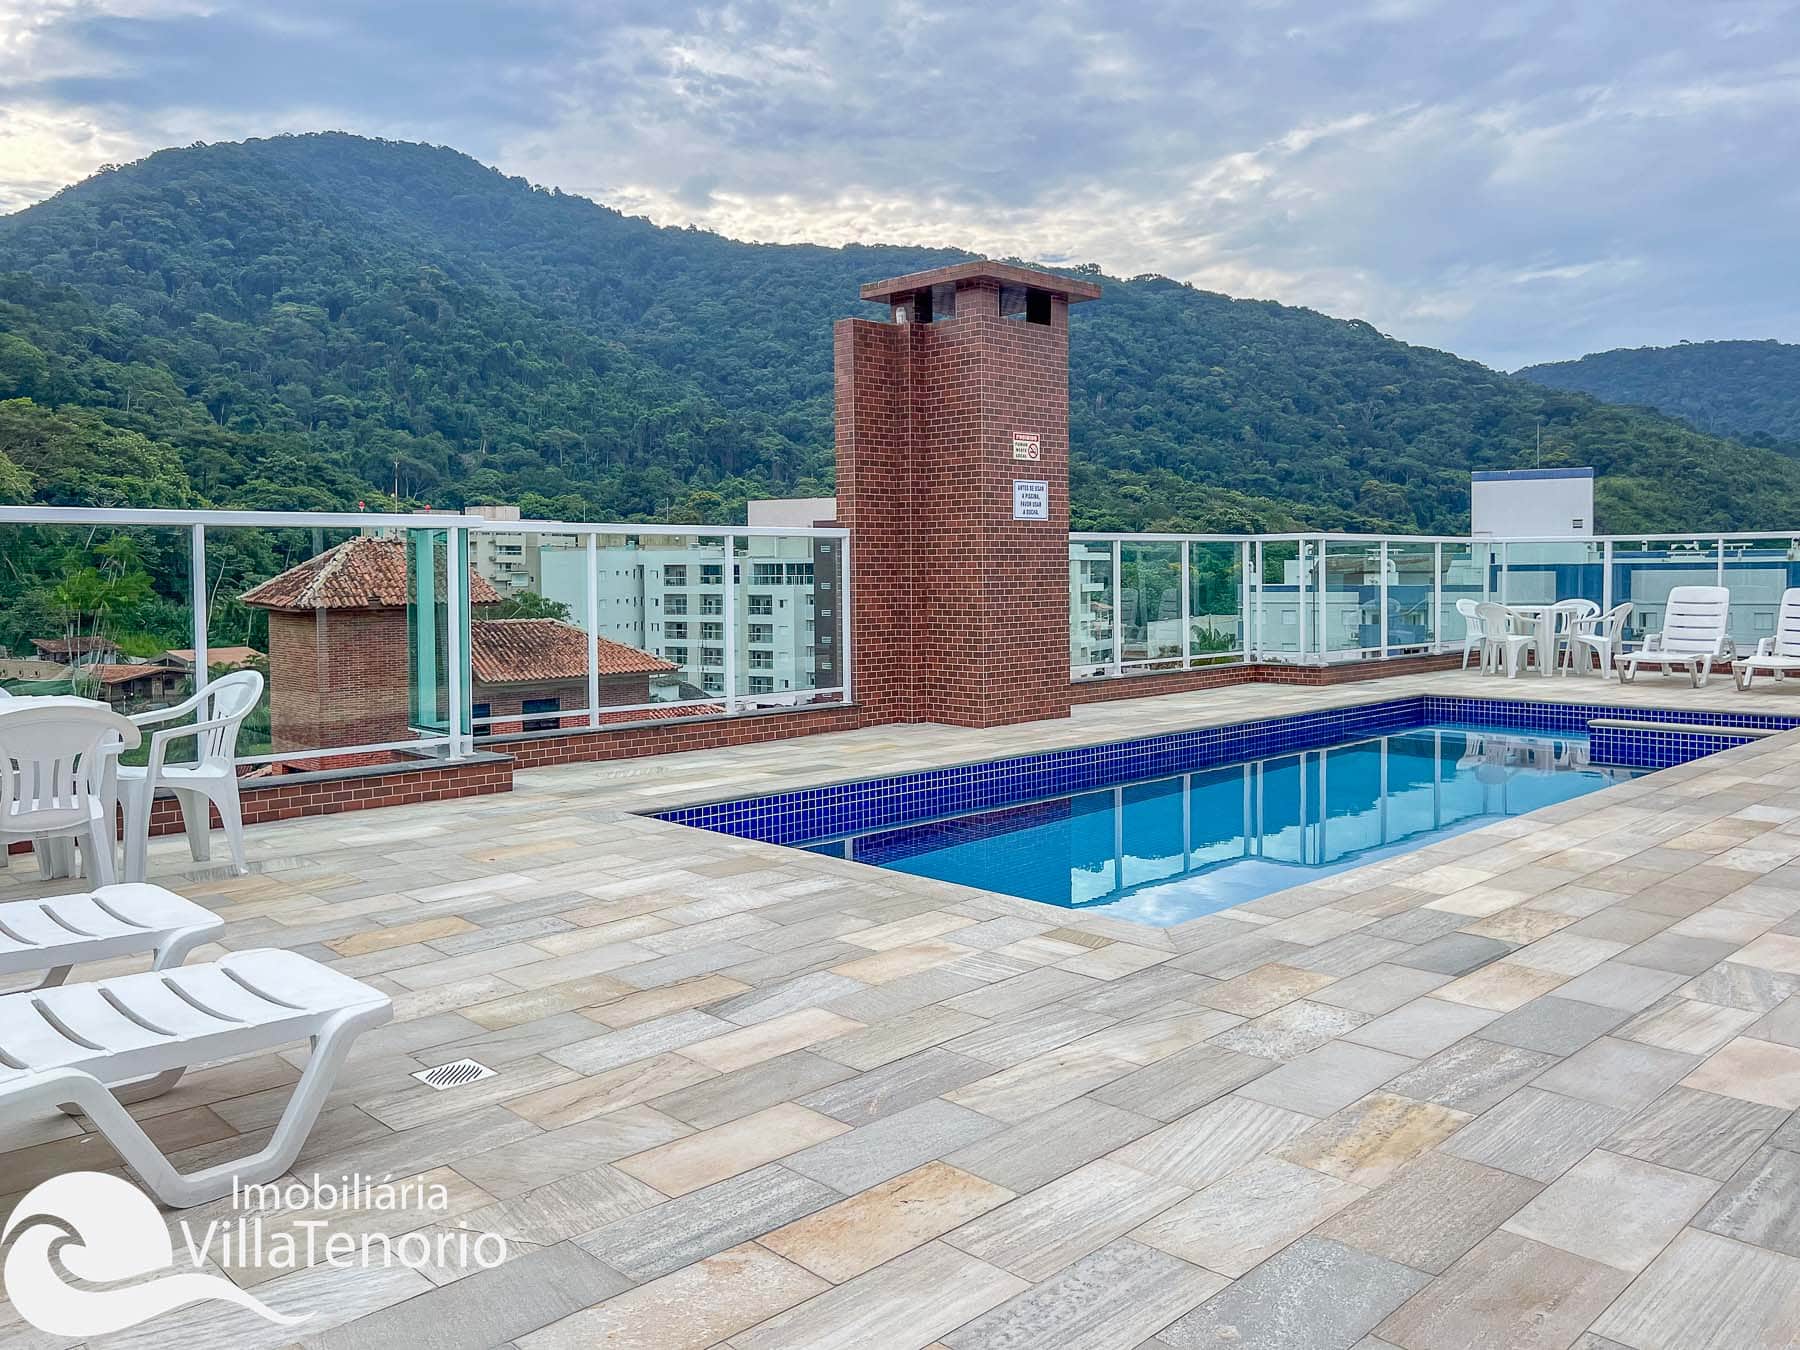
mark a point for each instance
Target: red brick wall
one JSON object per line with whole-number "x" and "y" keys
{"x": 338, "y": 677}
{"x": 875, "y": 500}
{"x": 294, "y": 797}
{"x": 960, "y": 612}
{"x": 1215, "y": 677}
{"x": 667, "y": 738}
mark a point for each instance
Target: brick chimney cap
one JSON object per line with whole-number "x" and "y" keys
{"x": 1004, "y": 273}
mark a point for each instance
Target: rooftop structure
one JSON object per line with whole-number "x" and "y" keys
{"x": 1532, "y": 503}
{"x": 1532, "y": 1081}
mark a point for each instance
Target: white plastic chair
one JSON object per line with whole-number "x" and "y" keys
{"x": 1696, "y": 636}
{"x": 211, "y": 780}
{"x": 1598, "y": 635}
{"x": 1501, "y": 646}
{"x": 1778, "y": 655}
{"x": 56, "y": 779}
{"x": 1565, "y": 616}
{"x": 1471, "y": 628}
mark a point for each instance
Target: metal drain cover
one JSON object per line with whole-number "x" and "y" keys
{"x": 454, "y": 1074}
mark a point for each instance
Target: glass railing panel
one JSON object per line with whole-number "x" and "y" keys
{"x": 1279, "y": 602}
{"x": 99, "y": 612}
{"x": 1644, "y": 572}
{"x": 787, "y": 639}
{"x": 1216, "y": 619}
{"x": 1349, "y": 599}
{"x": 1543, "y": 573}
{"x": 528, "y": 634}
{"x": 1091, "y": 609}
{"x": 350, "y": 631}
{"x": 1412, "y": 621}
{"x": 665, "y": 596}
{"x": 1757, "y": 572}
{"x": 1150, "y": 605}
{"x": 1461, "y": 577}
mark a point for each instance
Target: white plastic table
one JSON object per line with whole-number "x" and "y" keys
{"x": 1544, "y": 616}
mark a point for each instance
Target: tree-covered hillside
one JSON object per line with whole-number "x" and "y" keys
{"x": 1747, "y": 390}
{"x": 320, "y": 320}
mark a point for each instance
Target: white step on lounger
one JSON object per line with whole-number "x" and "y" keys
{"x": 60, "y": 1048}
{"x": 60, "y": 932}
{"x": 1695, "y": 637}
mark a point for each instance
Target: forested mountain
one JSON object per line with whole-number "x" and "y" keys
{"x": 317, "y": 321}
{"x": 1747, "y": 390}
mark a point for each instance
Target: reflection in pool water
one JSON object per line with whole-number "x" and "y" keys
{"x": 1165, "y": 850}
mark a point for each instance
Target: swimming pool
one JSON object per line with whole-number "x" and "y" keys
{"x": 1167, "y": 827}
{"x": 1165, "y": 850}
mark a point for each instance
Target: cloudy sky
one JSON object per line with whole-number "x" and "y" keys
{"x": 1515, "y": 181}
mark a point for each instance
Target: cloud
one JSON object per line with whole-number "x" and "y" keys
{"x": 1520, "y": 182}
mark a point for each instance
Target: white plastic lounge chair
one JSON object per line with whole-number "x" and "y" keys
{"x": 211, "y": 780}
{"x": 61, "y": 1047}
{"x": 1471, "y": 628}
{"x": 1695, "y": 636}
{"x": 1600, "y": 635}
{"x": 60, "y": 932}
{"x": 56, "y": 779}
{"x": 1503, "y": 648}
{"x": 1777, "y": 655}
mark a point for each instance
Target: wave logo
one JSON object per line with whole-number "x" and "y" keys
{"x": 102, "y": 1231}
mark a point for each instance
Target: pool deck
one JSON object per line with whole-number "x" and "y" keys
{"x": 1530, "y": 1086}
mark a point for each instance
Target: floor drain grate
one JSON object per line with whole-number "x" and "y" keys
{"x": 454, "y": 1074}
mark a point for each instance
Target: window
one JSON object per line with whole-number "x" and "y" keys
{"x": 541, "y": 705}
{"x": 674, "y": 574}
{"x": 677, "y": 654}
{"x": 712, "y": 574}
{"x": 479, "y": 711}
{"x": 762, "y": 604}
{"x": 762, "y": 632}
{"x": 713, "y": 684}
{"x": 677, "y": 631}
{"x": 762, "y": 660}
{"x": 675, "y": 604}
{"x": 712, "y": 632}
{"x": 765, "y": 574}
{"x": 712, "y": 604}
{"x": 799, "y": 574}
{"x": 712, "y": 656}
{"x": 761, "y": 684}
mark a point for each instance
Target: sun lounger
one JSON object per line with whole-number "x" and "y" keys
{"x": 60, "y": 932}
{"x": 1778, "y": 655}
{"x": 61, "y": 1047}
{"x": 1695, "y": 636}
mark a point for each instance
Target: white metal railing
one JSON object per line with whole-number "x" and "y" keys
{"x": 442, "y": 694}
{"x": 1320, "y": 598}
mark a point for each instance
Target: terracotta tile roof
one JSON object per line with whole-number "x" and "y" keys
{"x": 80, "y": 646}
{"x": 125, "y": 674}
{"x": 361, "y": 573}
{"x": 218, "y": 656}
{"x": 517, "y": 651}
{"x": 666, "y": 713}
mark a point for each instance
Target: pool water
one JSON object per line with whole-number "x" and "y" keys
{"x": 1168, "y": 849}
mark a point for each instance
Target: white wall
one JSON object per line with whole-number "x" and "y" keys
{"x": 1533, "y": 503}
{"x": 789, "y": 512}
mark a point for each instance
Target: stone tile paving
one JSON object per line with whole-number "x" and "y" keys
{"x": 1535, "y": 1085}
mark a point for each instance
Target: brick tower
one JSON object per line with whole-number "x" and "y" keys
{"x": 953, "y": 476}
